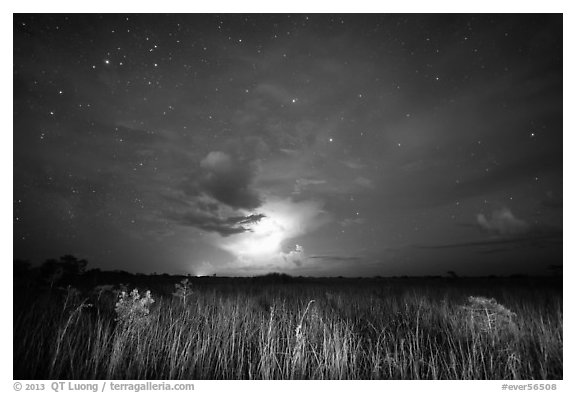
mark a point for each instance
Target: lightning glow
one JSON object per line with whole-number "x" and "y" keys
{"x": 285, "y": 219}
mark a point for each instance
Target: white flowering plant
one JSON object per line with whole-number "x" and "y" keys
{"x": 132, "y": 309}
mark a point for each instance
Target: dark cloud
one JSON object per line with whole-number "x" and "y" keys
{"x": 336, "y": 258}
{"x": 482, "y": 243}
{"x": 229, "y": 181}
{"x": 214, "y": 223}
{"x": 251, "y": 219}
{"x": 538, "y": 237}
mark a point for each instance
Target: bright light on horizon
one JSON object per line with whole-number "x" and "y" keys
{"x": 284, "y": 220}
{"x": 265, "y": 238}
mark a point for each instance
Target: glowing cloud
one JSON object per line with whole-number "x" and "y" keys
{"x": 503, "y": 223}
{"x": 284, "y": 220}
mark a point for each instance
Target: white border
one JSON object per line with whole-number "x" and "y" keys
{"x": 296, "y": 6}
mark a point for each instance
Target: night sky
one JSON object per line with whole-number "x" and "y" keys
{"x": 352, "y": 145}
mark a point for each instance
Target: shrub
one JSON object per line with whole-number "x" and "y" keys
{"x": 488, "y": 315}
{"x": 132, "y": 310}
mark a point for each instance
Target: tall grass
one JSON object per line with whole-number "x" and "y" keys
{"x": 289, "y": 331}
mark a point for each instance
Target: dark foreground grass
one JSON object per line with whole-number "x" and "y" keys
{"x": 307, "y": 329}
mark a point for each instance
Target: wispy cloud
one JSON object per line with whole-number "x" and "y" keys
{"x": 302, "y": 184}
{"x": 503, "y": 222}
